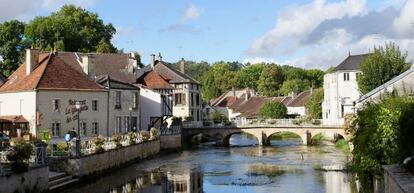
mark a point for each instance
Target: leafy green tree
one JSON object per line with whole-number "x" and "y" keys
{"x": 11, "y": 45}
{"x": 314, "y": 105}
{"x": 295, "y": 85}
{"x": 249, "y": 76}
{"x": 292, "y": 72}
{"x": 194, "y": 69}
{"x": 381, "y": 66}
{"x": 105, "y": 47}
{"x": 217, "y": 81}
{"x": 270, "y": 80}
{"x": 381, "y": 137}
{"x": 73, "y": 28}
{"x": 273, "y": 110}
{"x": 315, "y": 77}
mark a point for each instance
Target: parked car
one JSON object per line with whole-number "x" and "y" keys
{"x": 4, "y": 140}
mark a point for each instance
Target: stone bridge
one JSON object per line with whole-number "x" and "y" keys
{"x": 223, "y": 134}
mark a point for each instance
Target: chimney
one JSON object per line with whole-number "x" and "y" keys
{"x": 233, "y": 91}
{"x": 182, "y": 66}
{"x": 159, "y": 56}
{"x": 247, "y": 95}
{"x": 88, "y": 65}
{"x": 152, "y": 60}
{"x": 32, "y": 60}
{"x": 292, "y": 94}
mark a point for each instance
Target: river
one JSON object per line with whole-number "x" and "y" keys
{"x": 286, "y": 166}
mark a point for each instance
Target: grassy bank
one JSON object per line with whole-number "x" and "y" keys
{"x": 284, "y": 136}
{"x": 342, "y": 144}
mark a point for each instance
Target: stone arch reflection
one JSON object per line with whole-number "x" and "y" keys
{"x": 183, "y": 181}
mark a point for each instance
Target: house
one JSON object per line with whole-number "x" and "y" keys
{"x": 297, "y": 103}
{"x": 341, "y": 90}
{"x": 231, "y": 98}
{"x": 185, "y": 94}
{"x": 44, "y": 90}
{"x": 42, "y": 94}
{"x": 401, "y": 84}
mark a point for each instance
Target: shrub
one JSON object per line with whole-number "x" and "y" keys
{"x": 45, "y": 135}
{"x": 189, "y": 118}
{"x": 154, "y": 133}
{"x": 99, "y": 141}
{"x": 273, "y": 110}
{"x": 20, "y": 156}
{"x": 219, "y": 117}
{"x": 132, "y": 136}
{"x": 145, "y": 135}
{"x": 317, "y": 139}
{"x": 116, "y": 138}
{"x": 382, "y": 134}
{"x": 314, "y": 105}
{"x": 61, "y": 147}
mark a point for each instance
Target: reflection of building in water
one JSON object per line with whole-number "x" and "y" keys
{"x": 338, "y": 182}
{"x": 187, "y": 181}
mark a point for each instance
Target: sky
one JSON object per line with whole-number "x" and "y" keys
{"x": 302, "y": 33}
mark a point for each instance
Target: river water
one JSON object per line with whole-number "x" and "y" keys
{"x": 286, "y": 166}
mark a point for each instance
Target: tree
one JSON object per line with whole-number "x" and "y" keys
{"x": 137, "y": 58}
{"x": 315, "y": 77}
{"x": 295, "y": 85}
{"x": 273, "y": 110}
{"x": 381, "y": 66}
{"x": 73, "y": 28}
{"x": 249, "y": 76}
{"x": 217, "y": 81}
{"x": 314, "y": 105}
{"x": 105, "y": 47}
{"x": 270, "y": 80}
{"x": 11, "y": 45}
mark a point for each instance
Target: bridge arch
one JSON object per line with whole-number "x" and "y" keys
{"x": 226, "y": 138}
{"x": 295, "y": 134}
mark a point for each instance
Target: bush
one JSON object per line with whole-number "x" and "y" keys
{"x": 273, "y": 110}
{"x": 219, "y": 117}
{"x": 317, "y": 139}
{"x": 382, "y": 134}
{"x": 314, "y": 105}
{"x": 62, "y": 147}
{"x": 154, "y": 133}
{"x": 189, "y": 118}
{"x": 116, "y": 138}
{"x": 132, "y": 137}
{"x": 99, "y": 142}
{"x": 145, "y": 135}
{"x": 20, "y": 156}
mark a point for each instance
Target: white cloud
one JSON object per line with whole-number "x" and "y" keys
{"x": 296, "y": 22}
{"x": 191, "y": 13}
{"x": 258, "y": 60}
{"x": 403, "y": 25}
{"x": 27, "y": 9}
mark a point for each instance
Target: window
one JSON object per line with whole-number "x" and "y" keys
{"x": 56, "y": 129}
{"x": 357, "y": 75}
{"x": 56, "y": 105}
{"x": 179, "y": 99}
{"x": 95, "y": 128}
{"x": 197, "y": 99}
{"x": 83, "y": 128}
{"x": 198, "y": 115}
{"x": 346, "y": 76}
{"x": 94, "y": 105}
{"x": 192, "y": 99}
{"x": 118, "y": 125}
{"x": 134, "y": 100}
{"x": 118, "y": 100}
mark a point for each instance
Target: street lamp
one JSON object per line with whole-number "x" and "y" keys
{"x": 78, "y": 106}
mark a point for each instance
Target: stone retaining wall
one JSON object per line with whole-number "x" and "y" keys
{"x": 170, "y": 141}
{"x": 397, "y": 180}
{"x": 35, "y": 180}
{"x": 90, "y": 164}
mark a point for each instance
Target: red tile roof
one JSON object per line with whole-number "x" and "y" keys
{"x": 13, "y": 118}
{"x": 153, "y": 80}
{"x": 227, "y": 102}
{"x": 52, "y": 73}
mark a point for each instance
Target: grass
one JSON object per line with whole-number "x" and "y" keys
{"x": 317, "y": 139}
{"x": 342, "y": 144}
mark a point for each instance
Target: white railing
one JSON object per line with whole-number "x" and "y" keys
{"x": 262, "y": 123}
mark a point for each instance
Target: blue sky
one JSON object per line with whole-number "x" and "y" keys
{"x": 305, "y": 33}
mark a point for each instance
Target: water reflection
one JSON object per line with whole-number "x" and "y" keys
{"x": 284, "y": 167}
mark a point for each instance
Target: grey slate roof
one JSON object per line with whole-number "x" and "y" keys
{"x": 351, "y": 62}
{"x": 172, "y": 75}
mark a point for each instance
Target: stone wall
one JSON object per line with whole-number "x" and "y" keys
{"x": 170, "y": 141}
{"x": 94, "y": 163}
{"x": 35, "y": 180}
{"x": 397, "y": 180}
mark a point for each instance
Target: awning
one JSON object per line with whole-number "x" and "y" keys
{"x": 13, "y": 118}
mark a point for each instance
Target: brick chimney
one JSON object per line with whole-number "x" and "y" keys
{"x": 32, "y": 60}
{"x": 88, "y": 65}
{"x": 182, "y": 65}
{"x": 159, "y": 56}
{"x": 152, "y": 60}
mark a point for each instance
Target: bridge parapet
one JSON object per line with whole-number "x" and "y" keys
{"x": 263, "y": 123}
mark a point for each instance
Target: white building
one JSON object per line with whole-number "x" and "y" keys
{"x": 341, "y": 90}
